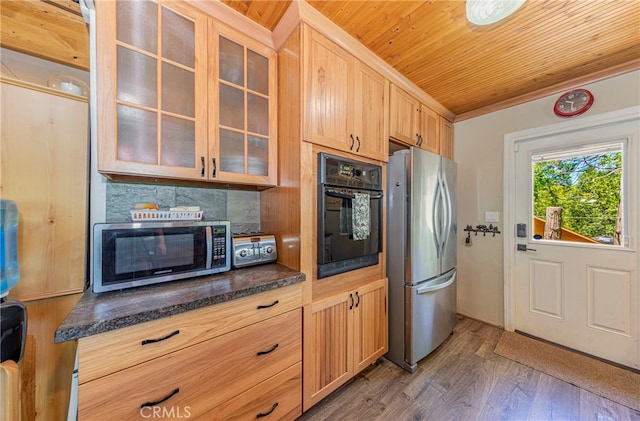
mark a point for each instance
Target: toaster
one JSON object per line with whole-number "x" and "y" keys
{"x": 249, "y": 250}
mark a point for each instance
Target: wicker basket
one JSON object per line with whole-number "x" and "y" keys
{"x": 159, "y": 215}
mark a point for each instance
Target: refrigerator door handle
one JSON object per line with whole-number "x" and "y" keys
{"x": 446, "y": 203}
{"x": 436, "y": 216}
{"x": 440, "y": 285}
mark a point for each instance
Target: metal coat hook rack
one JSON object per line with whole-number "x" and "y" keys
{"x": 491, "y": 229}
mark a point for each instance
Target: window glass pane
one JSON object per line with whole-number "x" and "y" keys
{"x": 258, "y": 112}
{"x": 178, "y": 92}
{"x": 178, "y": 38}
{"x": 137, "y": 135}
{"x": 137, "y": 23}
{"x": 257, "y": 72}
{"x": 137, "y": 78}
{"x": 178, "y": 142}
{"x": 258, "y": 152}
{"x": 577, "y": 195}
{"x": 231, "y": 62}
{"x": 231, "y": 151}
{"x": 231, "y": 107}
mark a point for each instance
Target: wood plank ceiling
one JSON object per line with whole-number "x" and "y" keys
{"x": 543, "y": 47}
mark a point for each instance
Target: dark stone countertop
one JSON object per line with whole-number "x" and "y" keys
{"x": 98, "y": 313}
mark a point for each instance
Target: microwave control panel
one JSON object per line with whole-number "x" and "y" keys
{"x": 219, "y": 246}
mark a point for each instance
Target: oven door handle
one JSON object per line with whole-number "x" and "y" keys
{"x": 339, "y": 195}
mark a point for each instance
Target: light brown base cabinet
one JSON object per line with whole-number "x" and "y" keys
{"x": 227, "y": 361}
{"x": 343, "y": 335}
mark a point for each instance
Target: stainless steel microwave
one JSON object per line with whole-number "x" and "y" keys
{"x": 128, "y": 255}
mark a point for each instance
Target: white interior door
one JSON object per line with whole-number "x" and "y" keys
{"x": 572, "y": 291}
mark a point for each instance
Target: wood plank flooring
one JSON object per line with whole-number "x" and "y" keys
{"x": 464, "y": 380}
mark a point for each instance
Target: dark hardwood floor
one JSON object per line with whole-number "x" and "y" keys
{"x": 464, "y": 380}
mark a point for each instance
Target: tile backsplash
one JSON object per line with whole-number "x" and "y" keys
{"x": 240, "y": 207}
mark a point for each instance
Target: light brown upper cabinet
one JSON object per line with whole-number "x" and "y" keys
{"x": 182, "y": 97}
{"x": 244, "y": 111}
{"x": 412, "y": 122}
{"x": 345, "y": 102}
{"x": 446, "y": 138}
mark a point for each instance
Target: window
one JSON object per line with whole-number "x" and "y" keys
{"x": 578, "y": 194}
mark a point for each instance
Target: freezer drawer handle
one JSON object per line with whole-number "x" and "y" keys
{"x": 152, "y": 341}
{"x": 173, "y": 392}
{"x": 437, "y": 287}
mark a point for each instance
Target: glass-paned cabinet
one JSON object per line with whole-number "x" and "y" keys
{"x": 245, "y": 98}
{"x": 179, "y": 96}
{"x": 151, "y": 83}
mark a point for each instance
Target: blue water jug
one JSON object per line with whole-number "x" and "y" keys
{"x": 9, "y": 270}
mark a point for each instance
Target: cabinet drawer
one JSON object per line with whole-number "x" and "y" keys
{"x": 106, "y": 353}
{"x": 278, "y": 398}
{"x": 204, "y": 375}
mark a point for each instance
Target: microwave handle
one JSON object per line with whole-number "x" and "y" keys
{"x": 209, "y": 237}
{"x": 334, "y": 193}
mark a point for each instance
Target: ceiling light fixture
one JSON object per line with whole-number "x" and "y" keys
{"x": 485, "y": 12}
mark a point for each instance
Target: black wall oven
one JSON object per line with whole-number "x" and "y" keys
{"x": 349, "y": 214}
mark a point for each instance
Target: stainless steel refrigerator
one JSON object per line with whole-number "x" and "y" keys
{"x": 421, "y": 254}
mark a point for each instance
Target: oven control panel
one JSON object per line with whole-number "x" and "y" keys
{"x": 345, "y": 172}
{"x": 253, "y": 250}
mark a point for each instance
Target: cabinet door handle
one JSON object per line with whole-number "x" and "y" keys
{"x": 358, "y": 139}
{"x": 152, "y": 341}
{"x": 268, "y": 305}
{"x": 352, "y": 142}
{"x": 358, "y": 302}
{"x": 351, "y": 297}
{"x": 273, "y": 348}
{"x": 264, "y": 414}
{"x": 214, "y": 167}
{"x": 173, "y": 392}
{"x": 417, "y": 139}
{"x": 202, "y": 169}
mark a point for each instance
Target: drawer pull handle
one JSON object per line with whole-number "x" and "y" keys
{"x": 269, "y": 351}
{"x": 152, "y": 341}
{"x": 270, "y": 305}
{"x": 173, "y": 392}
{"x": 264, "y": 414}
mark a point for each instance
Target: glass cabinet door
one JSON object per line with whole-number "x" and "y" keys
{"x": 245, "y": 99}
{"x": 158, "y": 122}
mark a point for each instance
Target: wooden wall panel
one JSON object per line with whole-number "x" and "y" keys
{"x": 53, "y": 362}
{"x": 45, "y": 171}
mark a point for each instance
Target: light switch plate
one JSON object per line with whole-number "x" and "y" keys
{"x": 492, "y": 216}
